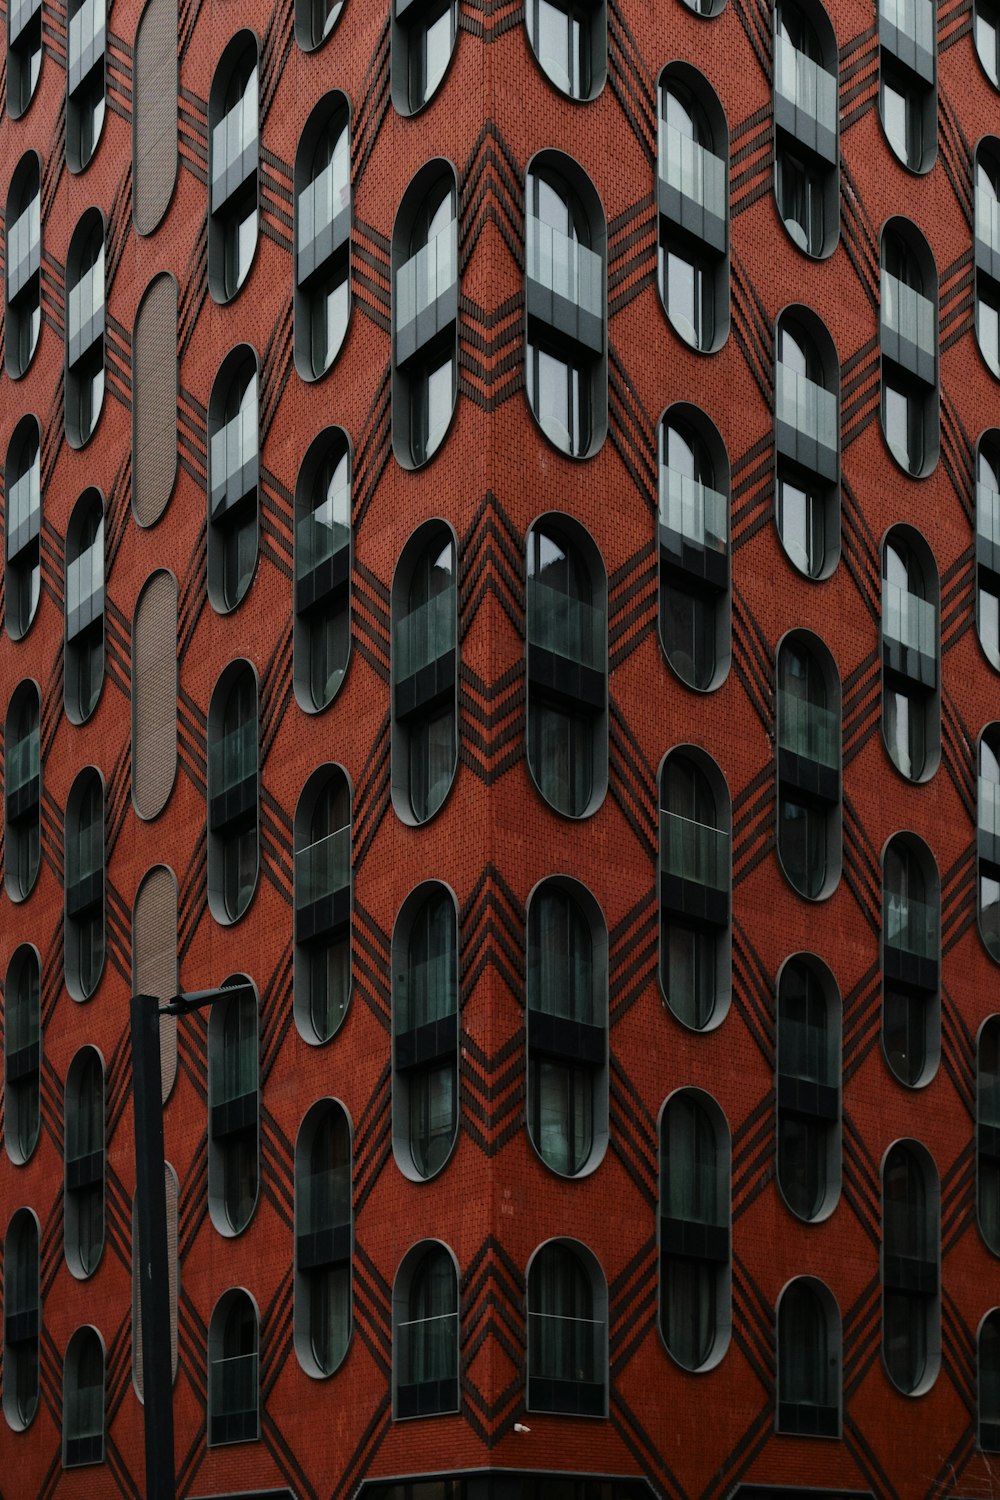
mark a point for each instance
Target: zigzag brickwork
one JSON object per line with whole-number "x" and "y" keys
{"x": 696, "y": 1437}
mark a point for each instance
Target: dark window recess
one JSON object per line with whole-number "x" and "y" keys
{"x": 24, "y": 54}
{"x": 425, "y": 273}
{"x": 83, "y": 1400}
{"x": 908, "y": 332}
{"x": 567, "y": 1333}
{"x": 233, "y": 1377}
{"x": 22, "y": 527}
{"x": 694, "y": 1229}
{"x": 322, "y": 236}
{"x": 806, "y": 126}
{"x": 85, "y": 295}
{"x": 23, "y": 238}
{"x": 233, "y": 167}
{"x": 808, "y": 1361}
{"x": 907, "y": 31}
{"x": 426, "y": 1333}
{"x": 693, "y": 197}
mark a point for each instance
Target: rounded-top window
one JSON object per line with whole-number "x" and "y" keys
{"x": 807, "y": 442}
{"x": 911, "y": 705}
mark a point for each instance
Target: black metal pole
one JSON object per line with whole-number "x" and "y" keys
{"x": 151, "y": 1216}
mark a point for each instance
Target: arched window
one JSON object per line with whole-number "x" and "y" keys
{"x": 567, "y": 1020}
{"x": 988, "y": 839}
{"x": 567, "y": 1331}
{"x": 567, "y": 645}
{"x": 85, "y": 329}
{"x": 314, "y": 21}
{"x": 424, "y": 673}
{"x": 22, "y": 1319}
{"x": 988, "y": 1133}
{"x": 809, "y": 1135}
{"x": 85, "y": 87}
{"x": 807, "y": 442}
{"x": 806, "y": 126}
{"x": 233, "y": 795}
{"x": 83, "y": 674}
{"x": 907, "y": 101}
{"x": 23, "y": 220}
{"x": 323, "y": 904}
{"x": 989, "y": 1382}
{"x": 425, "y": 1332}
{"x": 322, "y": 235}
{"x": 987, "y": 545}
{"x": 909, "y": 344}
{"x": 233, "y": 480}
{"x": 233, "y": 1108}
{"x": 155, "y": 153}
{"x": 987, "y": 248}
{"x": 911, "y": 960}
{"x": 84, "y": 1163}
{"x": 171, "y": 1193}
{"x": 809, "y": 733}
{"x": 22, "y": 1053}
{"x": 695, "y": 1230}
{"x": 566, "y": 362}
{"x": 24, "y": 54}
{"x": 83, "y": 875}
{"x": 22, "y": 791}
{"x": 233, "y": 1375}
{"x": 23, "y": 524}
{"x": 695, "y": 880}
{"x": 911, "y": 1268}
{"x": 425, "y": 1031}
{"x": 986, "y": 30}
{"x": 693, "y": 197}
{"x": 83, "y": 1400}
{"x": 569, "y": 39}
{"x": 809, "y": 1352}
{"x": 322, "y": 625}
{"x": 911, "y": 701}
{"x": 423, "y": 37}
{"x": 233, "y": 127}
{"x": 323, "y": 1238}
{"x": 155, "y": 370}
{"x": 694, "y": 548}
{"x": 425, "y": 313}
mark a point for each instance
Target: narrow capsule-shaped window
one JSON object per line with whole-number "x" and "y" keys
{"x": 233, "y": 149}
{"x": 22, "y": 1319}
{"x": 83, "y": 876}
{"x": 808, "y": 1087}
{"x": 988, "y": 1133}
{"x": 695, "y": 885}
{"x": 695, "y": 1230}
{"x": 565, "y": 356}
{"x": 314, "y": 21}
{"x": 807, "y": 442}
{"x": 85, "y": 84}
{"x": 986, "y": 32}
{"x": 322, "y": 983}
{"x": 425, "y": 1332}
{"x": 84, "y": 1163}
{"x": 809, "y": 1360}
{"x": 567, "y": 1331}
{"x": 567, "y": 647}
{"x": 988, "y": 1349}
{"x": 425, "y": 1031}
{"x": 22, "y": 1053}
{"x": 693, "y": 198}
{"x": 911, "y": 1268}
{"x": 22, "y": 527}
{"x": 321, "y": 633}
{"x": 987, "y": 249}
{"x": 569, "y": 40}
{"x": 23, "y": 264}
{"x": 83, "y": 673}
{"x": 987, "y": 545}
{"x": 22, "y": 791}
{"x": 322, "y": 180}
{"x": 83, "y": 1400}
{"x": 424, "y": 748}
{"x": 233, "y": 1108}
{"x": 908, "y": 333}
{"x": 809, "y": 765}
{"x": 233, "y": 1370}
{"x": 693, "y": 534}
{"x": 806, "y": 126}
{"x": 911, "y": 682}
{"x": 84, "y": 329}
{"x": 233, "y": 793}
{"x": 567, "y": 1023}
{"x": 907, "y": 101}
{"x": 423, "y": 36}
{"x": 24, "y": 54}
{"x": 425, "y": 283}
{"x": 911, "y": 960}
{"x": 233, "y": 479}
{"x": 988, "y": 839}
{"x": 324, "y": 1232}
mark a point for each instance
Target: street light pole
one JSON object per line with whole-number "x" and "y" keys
{"x": 151, "y": 1221}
